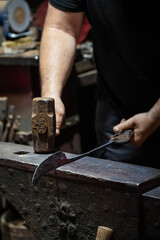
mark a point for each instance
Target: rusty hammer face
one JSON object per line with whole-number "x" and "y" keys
{"x": 43, "y": 125}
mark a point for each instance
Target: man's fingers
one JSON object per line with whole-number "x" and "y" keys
{"x": 124, "y": 125}
{"x": 59, "y": 120}
{"x": 60, "y": 114}
{"x": 58, "y": 127}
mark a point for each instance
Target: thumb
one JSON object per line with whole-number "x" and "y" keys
{"x": 124, "y": 125}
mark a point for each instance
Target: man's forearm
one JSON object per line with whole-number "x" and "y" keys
{"x": 57, "y": 54}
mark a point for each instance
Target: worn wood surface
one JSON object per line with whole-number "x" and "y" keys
{"x": 104, "y": 233}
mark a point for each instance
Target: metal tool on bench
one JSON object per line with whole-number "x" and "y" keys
{"x": 59, "y": 158}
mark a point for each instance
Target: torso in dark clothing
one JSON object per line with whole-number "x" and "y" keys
{"x": 126, "y": 37}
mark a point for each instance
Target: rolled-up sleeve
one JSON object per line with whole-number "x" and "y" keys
{"x": 69, "y": 5}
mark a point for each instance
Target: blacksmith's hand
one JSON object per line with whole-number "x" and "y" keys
{"x": 143, "y": 126}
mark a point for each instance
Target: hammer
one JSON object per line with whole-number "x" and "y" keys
{"x": 43, "y": 125}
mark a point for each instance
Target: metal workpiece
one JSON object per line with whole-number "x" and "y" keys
{"x": 59, "y": 159}
{"x": 151, "y": 215}
{"x": 43, "y": 125}
{"x": 72, "y": 201}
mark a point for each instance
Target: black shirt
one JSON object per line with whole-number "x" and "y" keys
{"x": 126, "y": 37}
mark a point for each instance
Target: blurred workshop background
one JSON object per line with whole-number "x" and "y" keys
{"x": 21, "y": 25}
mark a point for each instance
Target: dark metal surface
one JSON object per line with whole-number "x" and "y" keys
{"x": 113, "y": 174}
{"x": 98, "y": 205}
{"x": 38, "y": 206}
{"x": 151, "y": 215}
{"x": 154, "y": 193}
{"x": 19, "y": 156}
{"x": 73, "y": 211}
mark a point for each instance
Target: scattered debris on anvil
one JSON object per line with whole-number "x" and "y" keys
{"x": 10, "y": 123}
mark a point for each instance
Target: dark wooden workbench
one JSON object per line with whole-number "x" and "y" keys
{"x": 19, "y": 61}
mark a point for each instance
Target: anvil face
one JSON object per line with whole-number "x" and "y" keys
{"x": 116, "y": 174}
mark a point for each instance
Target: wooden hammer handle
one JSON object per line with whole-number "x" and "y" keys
{"x": 104, "y": 233}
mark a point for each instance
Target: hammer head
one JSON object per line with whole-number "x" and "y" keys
{"x": 43, "y": 125}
